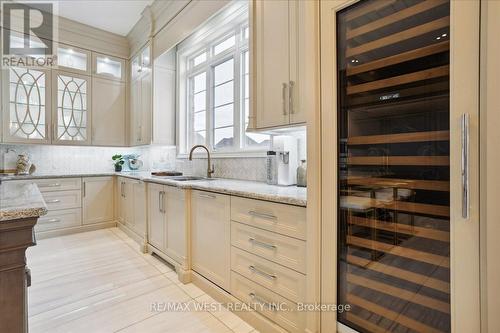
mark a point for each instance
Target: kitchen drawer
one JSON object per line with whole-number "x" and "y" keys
{"x": 284, "y": 281}
{"x": 58, "y": 184}
{"x": 273, "y": 306}
{"x": 284, "y": 219}
{"x": 287, "y": 251}
{"x": 59, "y": 219}
{"x": 63, "y": 199}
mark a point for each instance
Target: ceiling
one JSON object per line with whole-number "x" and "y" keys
{"x": 110, "y": 15}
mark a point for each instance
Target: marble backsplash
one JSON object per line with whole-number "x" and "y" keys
{"x": 76, "y": 159}
{"x": 81, "y": 159}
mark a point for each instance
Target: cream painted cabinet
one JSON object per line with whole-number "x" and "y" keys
{"x": 281, "y": 60}
{"x": 108, "y": 67}
{"x": 175, "y": 210}
{"x": 71, "y": 99}
{"x": 139, "y": 216}
{"x": 156, "y": 216}
{"x": 26, "y": 115}
{"x": 98, "y": 203}
{"x": 73, "y": 59}
{"x": 108, "y": 112}
{"x": 126, "y": 201}
{"x": 167, "y": 221}
{"x": 164, "y": 91}
{"x": 132, "y": 204}
{"x": 210, "y": 236}
{"x": 140, "y": 99}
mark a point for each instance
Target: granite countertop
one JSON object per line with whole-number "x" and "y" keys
{"x": 291, "y": 195}
{"x": 19, "y": 201}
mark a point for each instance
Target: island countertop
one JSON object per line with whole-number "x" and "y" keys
{"x": 18, "y": 201}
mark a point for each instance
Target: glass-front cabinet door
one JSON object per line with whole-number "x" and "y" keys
{"x": 404, "y": 105}
{"x": 27, "y": 104}
{"x": 73, "y": 59}
{"x": 108, "y": 67}
{"x": 71, "y": 99}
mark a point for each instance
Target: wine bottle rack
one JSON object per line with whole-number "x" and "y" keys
{"x": 394, "y": 189}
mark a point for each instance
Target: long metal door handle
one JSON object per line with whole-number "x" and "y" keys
{"x": 53, "y": 201}
{"x": 283, "y": 98}
{"x": 290, "y": 97}
{"x": 261, "y": 300}
{"x": 465, "y": 165}
{"x": 207, "y": 196}
{"x": 263, "y": 244}
{"x": 262, "y": 215}
{"x": 261, "y": 272}
{"x": 160, "y": 208}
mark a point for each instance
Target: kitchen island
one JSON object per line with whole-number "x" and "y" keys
{"x": 20, "y": 207}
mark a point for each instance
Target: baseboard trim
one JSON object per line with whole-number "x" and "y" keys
{"x": 258, "y": 321}
{"x": 74, "y": 230}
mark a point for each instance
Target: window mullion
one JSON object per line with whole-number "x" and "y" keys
{"x": 210, "y": 107}
{"x": 237, "y": 93}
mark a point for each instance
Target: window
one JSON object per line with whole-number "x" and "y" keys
{"x": 214, "y": 86}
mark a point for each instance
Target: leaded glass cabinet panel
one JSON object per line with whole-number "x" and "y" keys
{"x": 72, "y": 108}
{"x": 27, "y": 103}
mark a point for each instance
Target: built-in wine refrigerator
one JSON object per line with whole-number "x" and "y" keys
{"x": 393, "y": 165}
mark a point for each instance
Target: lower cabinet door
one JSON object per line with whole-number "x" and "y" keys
{"x": 139, "y": 207}
{"x": 156, "y": 216}
{"x": 98, "y": 199}
{"x": 210, "y": 239}
{"x": 176, "y": 243}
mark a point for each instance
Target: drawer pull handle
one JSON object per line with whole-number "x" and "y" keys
{"x": 263, "y": 215}
{"x": 54, "y": 220}
{"x": 50, "y": 185}
{"x": 261, "y": 272}
{"x": 262, "y": 301}
{"x": 208, "y": 196}
{"x": 53, "y": 201}
{"x": 260, "y": 243}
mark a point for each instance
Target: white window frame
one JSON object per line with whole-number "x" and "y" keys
{"x": 231, "y": 21}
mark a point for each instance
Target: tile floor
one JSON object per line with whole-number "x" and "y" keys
{"x": 99, "y": 282}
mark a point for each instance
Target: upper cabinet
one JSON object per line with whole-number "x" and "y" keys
{"x": 73, "y": 59}
{"x": 164, "y": 91}
{"x": 108, "y": 112}
{"x": 281, "y": 61}
{"x": 71, "y": 110}
{"x": 141, "y": 98}
{"x": 109, "y": 91}
{"x": 26, "y": 104}
{"x": 108, "y": 67}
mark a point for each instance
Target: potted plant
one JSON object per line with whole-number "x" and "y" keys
{"x": 118, "y": 161}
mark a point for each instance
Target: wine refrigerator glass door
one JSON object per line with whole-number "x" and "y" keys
{"x": 398, "y": 144}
